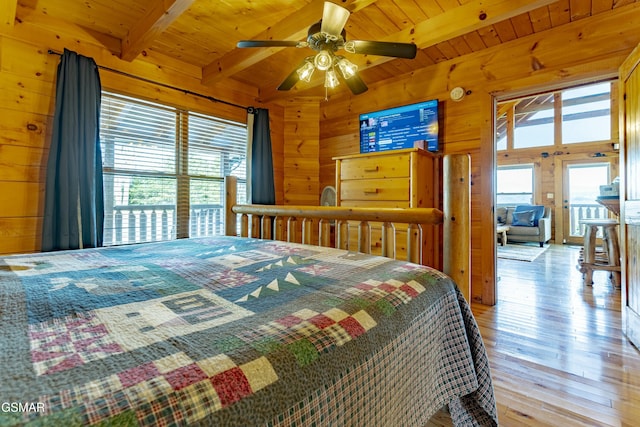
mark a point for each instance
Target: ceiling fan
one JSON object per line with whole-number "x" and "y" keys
{"x": 326, "y": 37}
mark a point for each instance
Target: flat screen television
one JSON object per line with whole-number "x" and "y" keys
{"x": 400, "y": 127}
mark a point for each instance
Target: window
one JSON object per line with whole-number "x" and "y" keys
{"x": 534, "y": 122}
{"x": 580, "y": 114}
{"x": 515, "y": 185}
{"x": 164, "y": 170}
{"x": 586, "y": 114}
{"x": 501, "y": 131}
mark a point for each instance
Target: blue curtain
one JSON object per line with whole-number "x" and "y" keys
{"x": 263, "y": 190}
{"x": 74, "y": 204}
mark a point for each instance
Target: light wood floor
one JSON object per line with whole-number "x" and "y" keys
{"x": 556, "y": 348}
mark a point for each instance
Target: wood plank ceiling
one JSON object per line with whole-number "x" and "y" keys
{"x": 204, "y": 33}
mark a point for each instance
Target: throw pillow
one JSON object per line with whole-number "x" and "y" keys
{"x": 538, "y": 209}
{"x": 523, "y": 218}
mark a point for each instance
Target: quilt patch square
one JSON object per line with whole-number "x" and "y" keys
{"x": 352, "y": 326}
{"x": 289, "y": 321}
{"x": 165, "y": 410}
{"x": 198, "y": 400}
{"x": 412, "y": 292}
{"x": 185, "y": 376}
{"x": 231, "y": 385}
{"x": 147, "y": 391}
{"x": 138, "y": 374}
{"x": 259, "y": 373}
{"x": 70, "y": 342}
{"x": 321, "y": 321}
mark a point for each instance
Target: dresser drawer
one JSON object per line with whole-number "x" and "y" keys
{"x": 375, "y": 189}
{"x": 375, "y": 204}
{"x": 375, "y": 167}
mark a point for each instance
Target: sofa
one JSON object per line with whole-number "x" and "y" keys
{"x": 527, "y": 223}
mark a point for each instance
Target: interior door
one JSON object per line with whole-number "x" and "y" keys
{"x": 581, "y": 186}
{"x": 630, "y": 194}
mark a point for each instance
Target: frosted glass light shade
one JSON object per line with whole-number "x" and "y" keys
{"x": 323, "y": 60}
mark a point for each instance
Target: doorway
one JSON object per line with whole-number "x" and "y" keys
{"x": 581, "y": 181}
{"x": 568, "y": 138}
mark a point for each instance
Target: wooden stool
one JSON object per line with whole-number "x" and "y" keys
{"x": 608, "y": 259}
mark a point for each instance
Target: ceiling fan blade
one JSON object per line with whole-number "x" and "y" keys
{"x": 398, "y": 50}
{"x": 268, "y": 43}
{"x": 356, "y": 84}
{"x": 334, "y": 18}
{"x": 290, "y": 81}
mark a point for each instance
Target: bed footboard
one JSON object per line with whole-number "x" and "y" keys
{"x": 332, "y": 225}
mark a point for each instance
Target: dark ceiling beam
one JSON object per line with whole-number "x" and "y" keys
{"x": 162, "y": 14}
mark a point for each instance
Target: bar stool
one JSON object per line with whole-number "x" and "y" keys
{"x": 608, "y": 259}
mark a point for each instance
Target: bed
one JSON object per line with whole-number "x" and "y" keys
{"x": 236, "y": 331}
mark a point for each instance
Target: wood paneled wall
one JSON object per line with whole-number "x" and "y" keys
{"x": 582, "y": 51}
{"x": 27, "y": 96}
{"x": 301, "y": 152}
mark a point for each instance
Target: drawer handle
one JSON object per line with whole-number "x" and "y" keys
{"x": 373, "y": 169}
{"x": 370, "y": 191}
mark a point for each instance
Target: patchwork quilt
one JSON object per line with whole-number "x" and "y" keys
{"x": 235, "y": 332}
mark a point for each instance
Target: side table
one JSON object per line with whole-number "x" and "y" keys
{"x": 501, "y": 231}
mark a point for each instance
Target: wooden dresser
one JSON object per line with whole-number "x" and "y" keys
{"x": 401, "y": 179}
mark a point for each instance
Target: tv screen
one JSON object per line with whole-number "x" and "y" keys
{"x": 400, "y": 127}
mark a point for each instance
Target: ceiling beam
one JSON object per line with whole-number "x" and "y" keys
{"x": 445, "y": 26}
{"x": 503, "y": 108}
{"x": 469, "y": 17}
{"x": 292, "y": 27}
{"x": 159, "y": 18}
{"x": 7, "y": 15}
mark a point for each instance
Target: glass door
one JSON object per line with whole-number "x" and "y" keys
{"x": 582, "y": 181}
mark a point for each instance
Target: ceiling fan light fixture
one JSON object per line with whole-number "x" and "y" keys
{"x": 325, "y": 38}
{"x": 306, "y": 70}
{"x": 323, "y": 60}
{"x": 346, "y": 67}
{"x": 331, "y": 79}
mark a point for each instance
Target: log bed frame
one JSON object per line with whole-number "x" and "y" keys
{"x": 296, "y": 223}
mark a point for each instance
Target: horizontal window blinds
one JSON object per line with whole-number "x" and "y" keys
{"x": 164, "y": 170}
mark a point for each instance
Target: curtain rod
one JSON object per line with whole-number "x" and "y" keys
{"x": 187, "y": 92}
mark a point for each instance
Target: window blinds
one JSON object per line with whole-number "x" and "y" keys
{"x": 164, "y": 170}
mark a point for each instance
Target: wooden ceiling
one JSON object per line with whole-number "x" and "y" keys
{"x": 204, "y": 33}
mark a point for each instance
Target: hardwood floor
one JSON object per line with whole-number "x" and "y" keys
{"x": 557, "y": 352}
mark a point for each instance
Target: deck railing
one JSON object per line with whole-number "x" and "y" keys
{"x": 150, "y": 223}
{"x": 580, "y": 211}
